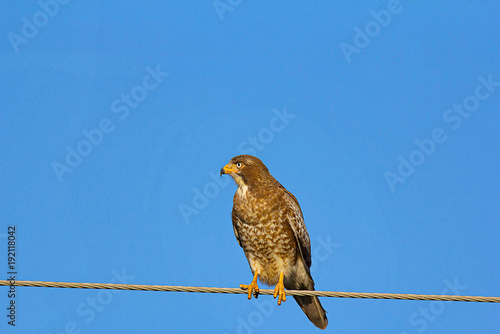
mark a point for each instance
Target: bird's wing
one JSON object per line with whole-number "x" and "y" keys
{"x": 296, "y": 221}
{"x": 310, "y": 305}
{"x": 236, "y": 220}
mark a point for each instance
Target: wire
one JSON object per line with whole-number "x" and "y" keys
{"x": 365, "y": 295}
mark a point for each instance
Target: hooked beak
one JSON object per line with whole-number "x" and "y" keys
{"x": 228, "y": 169}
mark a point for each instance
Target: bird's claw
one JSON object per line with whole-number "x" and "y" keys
{"x": 252, "y": 288}
{"x": 279, "y": 290}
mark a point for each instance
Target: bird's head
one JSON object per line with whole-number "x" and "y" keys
{"x": 246, "y": 170}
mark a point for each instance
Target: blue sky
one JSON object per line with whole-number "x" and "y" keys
{"x": 380, "y": 116}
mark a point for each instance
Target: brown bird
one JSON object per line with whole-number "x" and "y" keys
{"x": 269, "y": 226}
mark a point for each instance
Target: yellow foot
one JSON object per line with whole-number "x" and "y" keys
{"x": 279, "y": 290}
{"x": 252, "y": 287}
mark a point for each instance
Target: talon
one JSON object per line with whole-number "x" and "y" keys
{"x": 252, "y": 287}
{"x": 279, "y": 290}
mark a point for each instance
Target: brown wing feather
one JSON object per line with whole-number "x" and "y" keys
{"x": 236, "y": 220}
{"x": 296, "y": 221}
{"x": 310, "y": 305}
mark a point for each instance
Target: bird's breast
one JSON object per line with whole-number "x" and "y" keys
{"x": 256, "y": 207}
{"x": 265, "y": 234}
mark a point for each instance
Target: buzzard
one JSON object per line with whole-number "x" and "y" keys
{"x": 269, "y": 226}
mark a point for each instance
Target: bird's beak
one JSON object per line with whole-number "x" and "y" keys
{"x": 228, "y": 169}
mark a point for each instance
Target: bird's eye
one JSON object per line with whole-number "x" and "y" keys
{"x": 238, "y": 164}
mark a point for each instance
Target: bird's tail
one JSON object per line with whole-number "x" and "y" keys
{"x": 313, "y": 309}
{"x": 309, "y": 304}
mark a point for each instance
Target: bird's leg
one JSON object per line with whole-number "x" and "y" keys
{"x": 279, "y": 290}
{"x": 252, "y": 287}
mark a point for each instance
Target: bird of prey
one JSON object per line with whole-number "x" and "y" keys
{"x": 269, "y": 226}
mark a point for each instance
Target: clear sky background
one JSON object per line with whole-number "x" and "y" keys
{"x": 381, "y": 117}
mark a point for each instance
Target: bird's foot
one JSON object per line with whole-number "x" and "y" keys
{"x": 252, "y": 287}
{"x": 279, "y": 290}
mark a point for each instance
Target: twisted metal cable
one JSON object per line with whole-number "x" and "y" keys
{"x": 365, "y": 295}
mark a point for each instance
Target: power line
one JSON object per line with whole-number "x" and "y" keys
{"x": 366, "y": 295}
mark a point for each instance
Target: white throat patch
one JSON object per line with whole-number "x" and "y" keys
{"x": 242, "y": 190}
{"x": 242, "y": 187}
